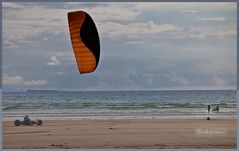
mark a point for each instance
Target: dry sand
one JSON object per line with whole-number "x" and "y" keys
{"x": 150, "y": 133}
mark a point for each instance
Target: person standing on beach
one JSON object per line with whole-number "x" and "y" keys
{"x": 208, "y": 108}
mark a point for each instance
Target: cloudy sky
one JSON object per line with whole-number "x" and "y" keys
{"x": 144, "y": 46}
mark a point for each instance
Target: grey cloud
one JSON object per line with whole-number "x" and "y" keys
{"x": 213, "y": 19}
{"x": 189, "y": 11}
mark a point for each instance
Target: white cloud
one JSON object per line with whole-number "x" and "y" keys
{"x": 133, "y": 30}
{"x": 35, "y": 82}
{"x": 219, "y": 81}
{"x": 20, "y": 81}
{"x": 9, "y": 44}
{"x": 113, "y": 12}
{"x": 8, "y": 5}
{"x": 19, "y": 25}
{"x": 223, "y": 33}
{"x": 12, "y": 80}
{"x": 213, "y": 19}
{"x": 174, "y": 77}
{"x": 54, "y": 61}
{"x": 201, "y": 33}
{"x": 185, "y": 5}
{"x": 105, "y": 11}
{"x": 60, "y": 73}
{"x": 219, "y": 66}
{"x": 189, "y": 11}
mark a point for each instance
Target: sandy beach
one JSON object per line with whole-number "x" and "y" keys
{"x": 140, "y": 133}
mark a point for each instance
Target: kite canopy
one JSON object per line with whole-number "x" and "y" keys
{"x": 85, "y": 41}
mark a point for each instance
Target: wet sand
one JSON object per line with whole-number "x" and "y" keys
{"x": 140, "y": 133}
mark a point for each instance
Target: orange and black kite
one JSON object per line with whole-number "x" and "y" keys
{"x": 85, "y": 41}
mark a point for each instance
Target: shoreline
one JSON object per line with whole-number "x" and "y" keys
{"x": 122, "y": 133}
{"x": 107, "y": 114}
{"x": 120, "y": 117}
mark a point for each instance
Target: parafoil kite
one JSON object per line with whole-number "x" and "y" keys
{"x": 85, "y": 41}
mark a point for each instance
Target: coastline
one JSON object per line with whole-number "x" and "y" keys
{"x": 122, "y": 133}
{"x": 108, "y": 114}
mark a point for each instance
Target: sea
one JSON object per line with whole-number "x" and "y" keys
{"x": 74, "y": 105}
